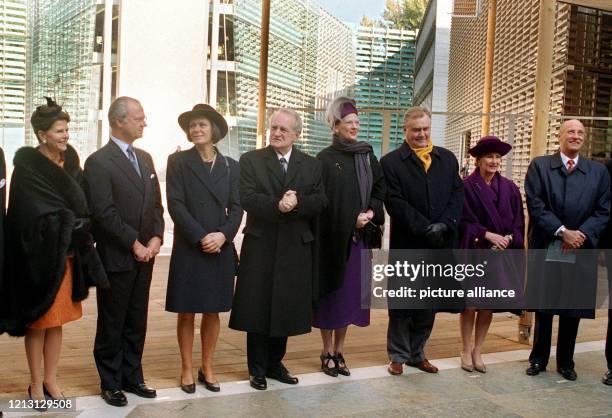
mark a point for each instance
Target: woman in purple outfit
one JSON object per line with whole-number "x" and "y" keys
{"x": 492, "y": 218}
{"x": 355, "y": 187}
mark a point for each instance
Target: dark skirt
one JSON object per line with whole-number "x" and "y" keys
{"x": 342, "y": 307}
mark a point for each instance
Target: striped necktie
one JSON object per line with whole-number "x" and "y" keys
{"x": 132, "y": 157}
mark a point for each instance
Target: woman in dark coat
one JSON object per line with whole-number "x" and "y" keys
{"x": 355, "y": 187}
{"x": 203, "y": 201}
{"x": 492, "y": 218}
{"x": 51, "y": 260}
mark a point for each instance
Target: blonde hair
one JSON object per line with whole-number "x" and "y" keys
{"x": 416, "y": 112}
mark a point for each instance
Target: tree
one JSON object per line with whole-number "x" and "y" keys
{"x": 405, "y": 14}
{"x": 366, "y": 21}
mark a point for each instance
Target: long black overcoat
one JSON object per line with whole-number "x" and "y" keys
{"x": 201, "y": 201}
{"x": 578, "y": 200}
{"x": 275, "y": 286}
{"x": 338, "y": 220}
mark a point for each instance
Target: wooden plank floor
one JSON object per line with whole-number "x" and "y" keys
{"x": 364, "y": 347}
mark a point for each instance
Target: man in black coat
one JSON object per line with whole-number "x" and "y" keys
{"x": 125, "y": 200}
{"x": 424, "y": 202}
{"x": 605, "y": 243}
{"x": 282, "y": 192}
{"x": 568, "y": 201}
{"x": 2, "y": 212}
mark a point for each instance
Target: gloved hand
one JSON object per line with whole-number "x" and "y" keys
{"x": 434, "y": 234}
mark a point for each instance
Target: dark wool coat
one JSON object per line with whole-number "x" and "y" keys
{"x": 580, "y": 200}
{"x": 2, "y": 213}
{"x": 605, "y": 240}
{"x": 416, "y": 199}
{"x": 201, "y": 201}
{"x": 275, "y": 286}
{"x": 47, "y": 218}
{"x": 124, "y": 206}
{"x": 337, "y": 222}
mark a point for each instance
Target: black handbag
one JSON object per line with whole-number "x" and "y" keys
{"x": 372, "y": 235}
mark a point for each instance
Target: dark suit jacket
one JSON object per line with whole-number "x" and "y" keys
{"x": 124, "y": 206}
{"x": 200, "y": 202}
{"x": 416, "y": 199}
{"x": 274, "y": 290}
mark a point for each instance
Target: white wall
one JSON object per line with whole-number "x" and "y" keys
{"x": 161, "y": 63}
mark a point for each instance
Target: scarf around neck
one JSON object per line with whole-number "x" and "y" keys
{"x": 361, "y": 153}
{"x": 424, "y": 154}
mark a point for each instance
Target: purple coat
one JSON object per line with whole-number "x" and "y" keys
{"x": 497, "y": 208}
{"x": 484, "y": 210}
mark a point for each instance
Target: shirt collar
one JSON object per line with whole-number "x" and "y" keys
{"x": 565, "y": 159}
{"x": 286, "y": 156}
{"x": 121, "y": 144}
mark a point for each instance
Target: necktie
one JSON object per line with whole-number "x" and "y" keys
{"x": 570, "y": 166}
{"x": 132, "y": 157}
{"x": 283, "y": 163}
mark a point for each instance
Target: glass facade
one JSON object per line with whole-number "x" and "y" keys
{"x": 63, "y": 63}
{"x": 13, "y": 16}
{"x": 384, "y": 79}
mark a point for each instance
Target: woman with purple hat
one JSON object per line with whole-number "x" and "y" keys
{"x": 492, "y": 218}
{"x": 355, "y": 188}
{"x": 203, "y": 201}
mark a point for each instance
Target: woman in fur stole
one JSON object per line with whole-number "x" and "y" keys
{"x": 51, "y": 260}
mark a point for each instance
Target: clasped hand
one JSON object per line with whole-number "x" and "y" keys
{"x": 288, "y": 202}
{"x": 572, "y": 239}
{"x": 212, "y": 243}
{"x": 363, "y": 218}
{"x": 144, "y": 254}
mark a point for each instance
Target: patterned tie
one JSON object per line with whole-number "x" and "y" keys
{"x": 570, "y": 166}
{"x": 283, "y": 163}
{"x": 132, "y": 157}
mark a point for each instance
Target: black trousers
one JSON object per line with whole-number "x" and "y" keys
{"x": 609, "y": 340}
{"x": 122, "y": 327}
{"x": 566, "y": 340}
{"x": 264, "y": 353}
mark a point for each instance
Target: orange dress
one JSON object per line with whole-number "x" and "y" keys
{"x": 63, "y": 309}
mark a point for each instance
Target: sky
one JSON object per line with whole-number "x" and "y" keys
{"x": 352, "y": 10}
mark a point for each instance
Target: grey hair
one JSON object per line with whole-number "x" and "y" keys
{"x": 119, "y": 108}
{"x": 297, "y": 126}
{"x": 333, "y": 114}
{"x": 416, "y": 112}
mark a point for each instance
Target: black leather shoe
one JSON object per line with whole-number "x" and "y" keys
{"x": 534, "y": 369}
{"x": 213, "y": 387}
{"x": 114, "y": 397}
{"x": 141, "y": 390}
{"x": 283, "y": 376}
{"x": 607, "y": 379}
{"x": 258, "y": 383}
{"x": 569, "y": 373}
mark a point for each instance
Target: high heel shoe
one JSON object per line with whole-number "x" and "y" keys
{"x": 42, "y": 408}
{"x": 466, "y": 365}
{"x": 325, "y": 365}
{"x": 49, "y": 396}
{"x": 212, "y": 386}
{"x": 187, "y": 388}
{"x": 341, "y": 365}
{"x": 479, "y": 366}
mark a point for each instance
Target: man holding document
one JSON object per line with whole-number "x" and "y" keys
{"x": 568, "y": 201}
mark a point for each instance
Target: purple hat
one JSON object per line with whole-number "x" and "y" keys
{"x": 488, "y": 144}
{"x": 347, "y": 109}
{"x": 208, "y": 112}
